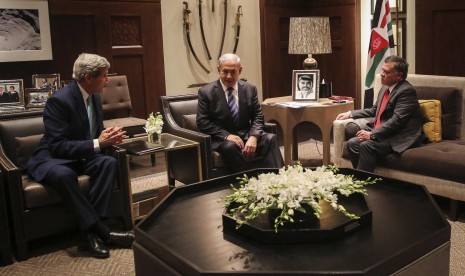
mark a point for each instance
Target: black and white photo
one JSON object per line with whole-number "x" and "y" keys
{"x": 305, "y": 85}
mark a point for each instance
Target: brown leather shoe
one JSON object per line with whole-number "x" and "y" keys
{"x": 121, "y": 239}
{"x": 94, "y": 246}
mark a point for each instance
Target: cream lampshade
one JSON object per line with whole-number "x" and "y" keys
{"x": 309, "y": 35}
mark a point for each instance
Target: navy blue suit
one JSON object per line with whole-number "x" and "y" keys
{"x": 66, "y": 150}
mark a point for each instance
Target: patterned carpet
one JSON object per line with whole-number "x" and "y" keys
{"x": 66, "y": 260}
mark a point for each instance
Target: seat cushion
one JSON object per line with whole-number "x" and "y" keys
{"x": 431, "y": 110}
{"x": 442, "y": 160}
{"x": 37, "y": 195}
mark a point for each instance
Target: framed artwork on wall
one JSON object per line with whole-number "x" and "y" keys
{"x": 46, "y": 81}
{"x": 305, "y": 85}
{"x": 37, "y": 97}
{"x": 11, "y": 92}
{"x": 25, "y": 28}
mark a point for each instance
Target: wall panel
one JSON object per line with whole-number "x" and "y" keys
{"x": 439, "y": 37}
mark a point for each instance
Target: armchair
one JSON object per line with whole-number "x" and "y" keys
{"x": 179, "y": 115}
{"x": 117, "y": 108}
{"x": 36, "y": 210}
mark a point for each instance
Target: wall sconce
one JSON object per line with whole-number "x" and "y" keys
{"x": 309, "y": 35}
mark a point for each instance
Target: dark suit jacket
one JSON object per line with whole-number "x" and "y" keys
{"x": 214, "y": 117}
{"x": 401, "y": 121}
{"x": 67, "y": 135}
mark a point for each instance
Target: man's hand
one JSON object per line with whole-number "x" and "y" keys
{"x": 363, "y": 135}
{"x": 250, "y": 147}
{"x": 236, "y": 139}
{"x": 111, "y": 136}
{"x": 345, "y": 115}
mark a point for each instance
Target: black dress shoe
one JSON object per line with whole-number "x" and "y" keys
{"x": 121, "y": 239}
{"x": 94, "y": 246}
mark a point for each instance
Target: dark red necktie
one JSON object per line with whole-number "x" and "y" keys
{"x": 382, "y": 107}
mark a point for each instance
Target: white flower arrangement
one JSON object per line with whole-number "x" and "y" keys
{"x": 154, "y": 124}
{"x": 289, "y": 191}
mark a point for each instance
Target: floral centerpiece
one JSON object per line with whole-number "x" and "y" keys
{"x": 293, "y": 190}
{"x": 153, "y": 127}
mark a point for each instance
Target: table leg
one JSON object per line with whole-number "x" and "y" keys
{"x": 326, "y": 133}
{"x": 287, "y": 139}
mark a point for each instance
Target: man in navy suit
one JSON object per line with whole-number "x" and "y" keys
{"x": 229, "y": 111}
{"x": 72, "y": 144}
{"x": 398, "y": 119}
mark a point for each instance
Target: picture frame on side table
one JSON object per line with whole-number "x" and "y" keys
{"x": 37, "y": 97}
{"x": 26, "y": 21}
{"x": 11, "y": 92}
{"x": 46, "y": 81}
{"x": 305, "y": 85}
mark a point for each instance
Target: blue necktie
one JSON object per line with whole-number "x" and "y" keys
{"x": 232, "y": 104}
{"x": 90, "y": 115}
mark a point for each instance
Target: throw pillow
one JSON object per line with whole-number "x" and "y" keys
{"x": 190, "y": 122}
{"x": 25, "y": 146}
{"x": 431, "y": 110}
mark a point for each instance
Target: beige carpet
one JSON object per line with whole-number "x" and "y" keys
{"x": 69, "y": 261}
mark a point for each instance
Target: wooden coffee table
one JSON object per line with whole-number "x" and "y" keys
{"x": 183, "y": 236}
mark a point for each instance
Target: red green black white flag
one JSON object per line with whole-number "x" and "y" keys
{"x": 381, "y": 42}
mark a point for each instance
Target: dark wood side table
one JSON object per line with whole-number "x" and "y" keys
{"x": 5, "y": 244}
{"x": 183, "y": 235}
{"x": 173, "y": 146}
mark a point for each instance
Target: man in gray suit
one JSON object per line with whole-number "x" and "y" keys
{"x": 398, "y": 118}
{"x": 229, "y": 111}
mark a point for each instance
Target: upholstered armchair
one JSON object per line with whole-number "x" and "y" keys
{"x": 179, "y": 115}
{"x": 117, "y": 108}
{"x": 36, "y": 210}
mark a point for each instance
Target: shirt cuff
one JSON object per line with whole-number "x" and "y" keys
{"x": 96, "y": 145}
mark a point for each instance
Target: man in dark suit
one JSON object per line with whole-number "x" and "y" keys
{"x": 14, "y": 95}
{"x": 72, "y": 144}
{"x": 398, "y": 118}
{"x": 229, "y": 111}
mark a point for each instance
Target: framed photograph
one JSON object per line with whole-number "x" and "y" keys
{"x": 46, "y": 81}
{"x": 37, "y": 97}
{"x": 305, "y": 85}
{"x": 25, "y": 29}
{"x": 11, "y": 92}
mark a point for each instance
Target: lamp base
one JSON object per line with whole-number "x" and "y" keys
{"x": 310, "y": 63}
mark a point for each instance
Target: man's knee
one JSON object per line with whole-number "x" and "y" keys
{"x": 228, "y": 147}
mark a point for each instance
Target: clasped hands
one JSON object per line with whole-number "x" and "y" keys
{"x": 111, "y": 136}
{"x": 249, "y": 148}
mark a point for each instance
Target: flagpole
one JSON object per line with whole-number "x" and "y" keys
{"x": 397, "y": 29}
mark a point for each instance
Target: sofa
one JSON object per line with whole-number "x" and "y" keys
{"x": 439, "y": 162}
{"x": 36, "y": 210}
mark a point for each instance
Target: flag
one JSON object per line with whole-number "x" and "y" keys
{"x": 381, "y": 43}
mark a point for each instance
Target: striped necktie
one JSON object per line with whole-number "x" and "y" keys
{"x": 232, "y": 104}
{"x": 90, "y": 115}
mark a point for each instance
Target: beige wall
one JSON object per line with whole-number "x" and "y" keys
{"x": 181, "y": 69}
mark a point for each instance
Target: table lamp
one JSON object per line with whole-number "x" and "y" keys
{"x": 309, "y": 35}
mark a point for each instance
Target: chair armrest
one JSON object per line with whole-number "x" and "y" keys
{"x": 339, "y": 138}
{"x": 270, "y": 128}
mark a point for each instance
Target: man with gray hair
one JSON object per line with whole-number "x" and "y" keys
{"x": 72, "y": 144}
{"x": 229, "y": 111}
